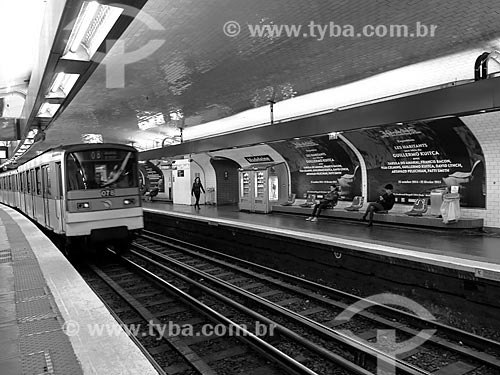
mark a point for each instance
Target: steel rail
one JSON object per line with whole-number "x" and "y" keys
{"x": 324, "y": 331}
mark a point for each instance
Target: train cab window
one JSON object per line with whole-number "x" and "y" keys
{"x": 97, "y": 169}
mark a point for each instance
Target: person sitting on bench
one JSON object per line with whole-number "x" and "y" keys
{"x": 330, "y": 199}
{"x": 384, "y": 203}
{"x": 149, "y": 195}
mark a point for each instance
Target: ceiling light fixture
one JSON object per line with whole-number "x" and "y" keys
{"x": 48, "y": 110}
{"x": 91, "y": 27}
{"x": 62, "y": 85}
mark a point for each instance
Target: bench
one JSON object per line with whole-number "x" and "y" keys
{"x": 390, "y": 218}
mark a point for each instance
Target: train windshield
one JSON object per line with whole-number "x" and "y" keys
{"x": 97, "y": 169}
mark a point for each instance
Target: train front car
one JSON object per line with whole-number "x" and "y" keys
{"x": 103, "y": 204}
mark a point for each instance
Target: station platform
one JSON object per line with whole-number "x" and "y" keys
{"x": 47, "y": 312}
{"x": 475, "y": 253}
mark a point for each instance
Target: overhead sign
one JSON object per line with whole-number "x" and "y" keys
{"x": 259, "y": 159}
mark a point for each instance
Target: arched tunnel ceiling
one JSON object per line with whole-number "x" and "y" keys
{"x": 206, "y": 75}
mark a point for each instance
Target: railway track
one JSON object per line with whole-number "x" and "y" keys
{"x": 360, "y": 339}
{"x": 149, "y": 304}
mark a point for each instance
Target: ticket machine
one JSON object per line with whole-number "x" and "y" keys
{"x": 262, "y": 186}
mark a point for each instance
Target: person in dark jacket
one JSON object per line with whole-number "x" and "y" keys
{"x": 384, "y": 203}
{"x": 331, "y": 198}
{"x": 196, "y": 191}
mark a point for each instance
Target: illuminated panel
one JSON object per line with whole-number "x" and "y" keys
{"x": 150, "y": 121}
{"x": 93, "y": 24}
{"x": 62, "y": 85}
{"x": 92, "y": 138}
{"x": 432, "y": 73}
{"x": 48, "y": 110}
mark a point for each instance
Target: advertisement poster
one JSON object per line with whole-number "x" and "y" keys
{"x": 317, "y": 162}
{"x": 417, "y": 158}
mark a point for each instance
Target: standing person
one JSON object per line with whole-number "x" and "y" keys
{"x": 196, "y": 191}
{"x": 331, "y": 198}
{"x": 384, "y": 203}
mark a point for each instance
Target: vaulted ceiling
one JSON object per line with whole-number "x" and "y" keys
{"x": 196, "y": 73}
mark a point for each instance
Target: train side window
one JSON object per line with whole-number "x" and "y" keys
{"x": 28, "y": 184}
{"x": 38, "y": 177}
{"x": 58, "y": 181}
{"x": 33, "y": 181}
{"x": 46, "y": 181}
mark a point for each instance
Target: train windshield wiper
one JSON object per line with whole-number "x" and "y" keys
{"x": 119, "y": 172}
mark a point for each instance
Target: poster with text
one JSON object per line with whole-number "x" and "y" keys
{"x": 318, "y": 162}
{"x": 419, "y": 157}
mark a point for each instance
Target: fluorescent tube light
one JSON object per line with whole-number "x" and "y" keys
{"x": 93, "y": 24}
{"x": 62, "y": 85}
{"x": 48, "y": 110}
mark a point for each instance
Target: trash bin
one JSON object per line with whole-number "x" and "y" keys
{"x": 450, "y": 209}
{"x": 436, "y": 201}
{"x": 210, "y": 195}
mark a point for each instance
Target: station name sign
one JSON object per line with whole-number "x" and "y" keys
{"x": 259, "y": 159}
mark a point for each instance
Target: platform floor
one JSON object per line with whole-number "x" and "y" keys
{"x": 473, "y": 251}
{"x": 47, "y": 312}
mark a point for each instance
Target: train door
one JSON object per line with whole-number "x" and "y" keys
{"x": 17, "y": 191}
{"x": 26, "y": 192}
{"x": 58, "y": 199}
{"x": 39, "y": 204}
{"x": 31, "y": 197}
{"x": 46, "y": 195}
{"x": 22, "y": 191}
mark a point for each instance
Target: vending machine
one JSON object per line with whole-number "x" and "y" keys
{"x": 263, "y": 186}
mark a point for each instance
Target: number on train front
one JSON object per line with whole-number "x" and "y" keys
{"x": 108, "y": 193}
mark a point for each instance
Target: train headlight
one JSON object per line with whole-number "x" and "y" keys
{"x": 128, "y": 202}
{"x": 82, "y": 205}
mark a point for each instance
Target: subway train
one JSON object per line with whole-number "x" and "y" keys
{"x": 85, "y": 194}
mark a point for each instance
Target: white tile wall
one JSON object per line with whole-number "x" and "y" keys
{"x": 486, "y": 128}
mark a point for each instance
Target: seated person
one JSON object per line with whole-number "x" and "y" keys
{"x": 149, "y": 195}
{"x": 331, "y": 198}
{"x": 384, "y": 203}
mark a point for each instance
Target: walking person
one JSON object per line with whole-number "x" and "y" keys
{"x": 384, "y": 203}
{"x": 331, "y": 198}
{"x": 196, "y": 191}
